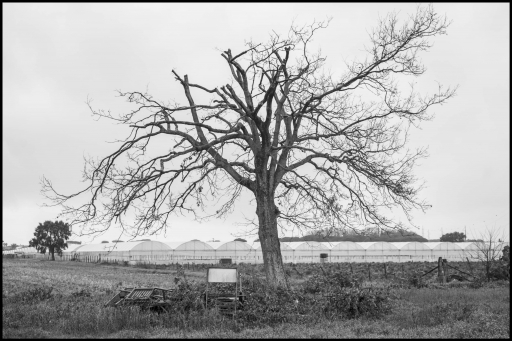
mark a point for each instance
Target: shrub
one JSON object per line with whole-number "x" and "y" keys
{"x": 478, "y": 282}
{"x": 500, "y": 272}
{"x": 329, "y": 282}
{"x": 417, "y": 281}
{"x": 270, "y": 307}
{"x": 355, "y": 302}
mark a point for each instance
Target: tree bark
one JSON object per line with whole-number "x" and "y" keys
{"x": 52, "y": 252}
{"x": 270, "y": 245}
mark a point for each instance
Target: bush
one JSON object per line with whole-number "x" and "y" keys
{"x": 355, "y": 302}
{"x": 500, "y": 272}
{"x": 329, "y": 282}
{"x": 417, "y": 281}
{"x": 271, "y": 307}
{"x": 478, "y": 283}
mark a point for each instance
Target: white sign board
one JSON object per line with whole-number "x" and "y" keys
{"x": 221, "y": 275}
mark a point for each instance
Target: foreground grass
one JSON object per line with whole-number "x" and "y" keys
{"x": 74, "y": 309}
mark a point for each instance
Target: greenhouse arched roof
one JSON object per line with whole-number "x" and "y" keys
{"x": 372, "y": 246}
{"x": 346, "y": 245}
{"x": 102, "y": 247}
{"x": 411, "y": 246}
{"x": 307, "y": 246}
{"x": 215, "y": 245}
{"x": 72, "y": 248}
{"x": 234, "y": 245}
{"x": 255, "y": 245}
{"x": 195, "y": 245}
{"x": 174, "y": 245}
{"x": 467, "y": 245}
{"x": 442, "y": 246}
{"x": 140, "y": 246}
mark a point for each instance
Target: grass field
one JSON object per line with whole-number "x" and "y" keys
{"x": 44, "y": 299}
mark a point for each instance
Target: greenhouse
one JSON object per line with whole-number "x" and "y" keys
{"x": 306, "y": 252}
{"x": 468, "y": 250}
{"x": 196, "y": 251}
{"x": 346, "y": 252}
{"x": 92, "y": 252}
{"x": 141, "y": 251}
{"x": 256, "y": 254}
{"x": 69, "y": 252}
{"x": 448, "y": 251}
{"x": 380, "y": 252}
{"x": 413, "y": 251}
{"x": 22, "y": 251}
{"x": 236, "y": 250}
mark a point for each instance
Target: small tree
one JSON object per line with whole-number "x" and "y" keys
{"x": 240, "y": 240}
{"x": 51, "y": 236}
{"x": 105, "y": 241}
{"x": 453, "y": 237}
{"x": 489, "y": 249}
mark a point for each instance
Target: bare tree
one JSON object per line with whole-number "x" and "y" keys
{"x": 316, "y": 151}
{"x": 489, "y": 249}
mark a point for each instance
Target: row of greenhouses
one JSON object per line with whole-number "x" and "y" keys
{"x": 196, "y": 251}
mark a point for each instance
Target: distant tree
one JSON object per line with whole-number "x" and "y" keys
{"x": 51, "y": 236}
{"x": 74, "y": 242}
{"x": 105, "y": 241}
{"x": 454, "y": 237}
{"x": 389, "y": 236}
{"x": 14, "y": 246}
{"x": 117, "y": 241}
{"x": 240, "y": 240}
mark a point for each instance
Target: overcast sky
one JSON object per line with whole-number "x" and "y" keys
{"x": 55, "y": 56}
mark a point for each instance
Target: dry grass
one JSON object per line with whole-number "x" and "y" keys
{"x": 79, "y": 290}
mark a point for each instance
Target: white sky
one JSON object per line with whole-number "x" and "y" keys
{"x": 56, "y": 55}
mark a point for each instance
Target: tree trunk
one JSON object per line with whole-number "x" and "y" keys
{"x": 52, "y": 252}
{"x": 270, "y": 246}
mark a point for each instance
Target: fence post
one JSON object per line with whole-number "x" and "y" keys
{"x": 440, "y": 269}
{"x": 351, "y": 269}
{"x": 403, "y": 273}
{"x": 469, "y": 264}
{"x": 385, "y": 271}
{"x": 369, "y": 272}
{"x": 445, "y": 271}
